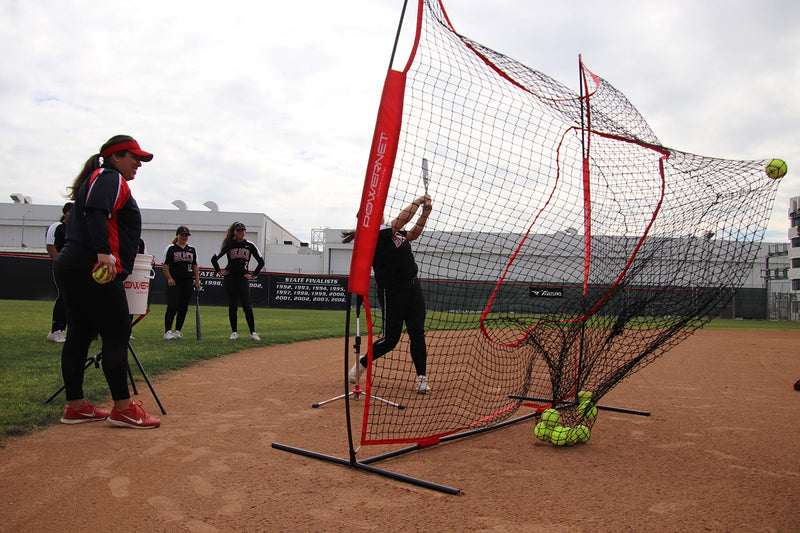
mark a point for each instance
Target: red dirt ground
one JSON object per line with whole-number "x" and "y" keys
{"x": 719, "y": 453}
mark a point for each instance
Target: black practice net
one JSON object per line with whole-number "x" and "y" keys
{"x": 566, "y": 248}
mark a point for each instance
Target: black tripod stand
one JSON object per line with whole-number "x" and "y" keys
{"x": 357, "y": 392}
{"x": 96, "y": 362}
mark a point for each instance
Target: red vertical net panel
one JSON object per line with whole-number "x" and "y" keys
{"x": 566, "y": 248}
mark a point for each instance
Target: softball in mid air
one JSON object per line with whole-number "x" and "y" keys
{"x": 776, "y": 169}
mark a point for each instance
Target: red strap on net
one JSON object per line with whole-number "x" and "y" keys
{"x": 376, "y": 184}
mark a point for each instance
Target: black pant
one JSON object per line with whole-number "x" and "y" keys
{"x": 59, "y": 312}
{"x": 238, "y": 290}
{"x": 178, "y": 297}
{"x": 404, "y": 303}
{"x": 91, "y": 309}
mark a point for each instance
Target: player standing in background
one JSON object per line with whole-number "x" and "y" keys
{"x": 179, "y": 265}
{"x": 103, "y": 235}
{"x": 236, "y": 280}
{"x": 54, "y": 241}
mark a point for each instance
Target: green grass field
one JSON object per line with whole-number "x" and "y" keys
{"x": 30, "y": 368}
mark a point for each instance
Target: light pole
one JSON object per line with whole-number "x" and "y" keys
{"x": 21, "y": 199}
{"x": 22, "y": 237}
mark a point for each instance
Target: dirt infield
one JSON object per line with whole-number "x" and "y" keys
{"x": 718, "y": 453}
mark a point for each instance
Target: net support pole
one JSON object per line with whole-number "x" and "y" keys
{"x": 570, "y": 404}
{"x": 367, "y": 468}
{"x": 365, "y": 463}
{"x": 397, "y": 36}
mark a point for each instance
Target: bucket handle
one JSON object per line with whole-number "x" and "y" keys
{"x": 151, "y": 275}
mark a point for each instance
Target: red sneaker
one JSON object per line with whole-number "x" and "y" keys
{"x": 133, "y": 417}
{"x": 86, "y": 413}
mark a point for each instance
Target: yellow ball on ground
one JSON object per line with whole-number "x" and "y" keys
{"x": 571, "y": 437}
{"x": 551, "y": 417}
{"x": 776, "y": 168}
{"x": 559, "y": 435}
{"x": 580, "y": 434}
{"x": 542, "y": 431}
{"x": 587, "y": 410}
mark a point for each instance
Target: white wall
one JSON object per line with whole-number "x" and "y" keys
{"x": 29, "y": 223}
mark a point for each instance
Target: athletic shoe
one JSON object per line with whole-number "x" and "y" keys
{"x": 352, "y": 377}
{"x": 422, "y": 385}
{"x": 86, "y": 413}
{"x": 234, "y": 336}
{"x": 168, "y": 335}
{"x": 254, "y": 336}
{"x": 133, "y": 417}
{"x": 177, "y": 335}
{"x": 55, "y": 336}
{"x": 62, "y": 335}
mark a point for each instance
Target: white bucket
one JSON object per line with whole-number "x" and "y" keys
{"x": 137, "y": 285}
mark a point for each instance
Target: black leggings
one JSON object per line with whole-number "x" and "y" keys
{"x": 238, "y": 289}
{"x": 178, "y": 297}
{"x": 399, "y": 305}
{"x": 59, "y": 312}
{"x": 91, "y": 309}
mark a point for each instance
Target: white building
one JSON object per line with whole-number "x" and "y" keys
{"x": 794, "y": 244}
{"x": 23, "y": 227}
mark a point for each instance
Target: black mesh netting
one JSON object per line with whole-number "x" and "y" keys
{"x": 566, "y": 248}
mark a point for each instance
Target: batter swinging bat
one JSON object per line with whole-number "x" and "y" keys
{"x": 425, "y": 174}
{"x": 197, "y": 311}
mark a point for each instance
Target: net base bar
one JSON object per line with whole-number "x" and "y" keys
{"x": 365, "y": 464}
{"x": 361, "y": 466}
{"x": 569, "y": 404}
{"x": 446, "y": 438}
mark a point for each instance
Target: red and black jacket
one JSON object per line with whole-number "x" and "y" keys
{"x": 105, "y": 219}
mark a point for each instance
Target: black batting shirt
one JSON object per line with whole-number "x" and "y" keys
{"x": 394, "y": 261}
{"x": 180, "y": 261}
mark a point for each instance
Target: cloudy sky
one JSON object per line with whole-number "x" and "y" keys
{"x": 270, "y": 106}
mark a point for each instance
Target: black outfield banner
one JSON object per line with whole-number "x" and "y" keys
{"x": 213, "y": 292}
{"x": 301, "y": 292}
{"x": 30, "y": 277}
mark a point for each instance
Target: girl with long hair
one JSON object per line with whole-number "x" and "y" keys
{"x": 238, "y": 251}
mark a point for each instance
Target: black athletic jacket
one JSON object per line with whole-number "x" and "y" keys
{"x": 105, "y": 219}
{"x": 180, "y": 261}
{"x": 239, "y": 254}
{"x": 394, "y": 262}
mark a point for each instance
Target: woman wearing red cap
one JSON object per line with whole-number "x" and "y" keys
{"x": 103, "y": 235}
{"x": 238, "y": 250}
{"x": 179, "y": 265}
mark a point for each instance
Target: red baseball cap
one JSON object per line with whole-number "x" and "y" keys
{"x": 129, "y": 146}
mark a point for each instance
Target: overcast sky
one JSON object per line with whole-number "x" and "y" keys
{"x": 270, "y": 106}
